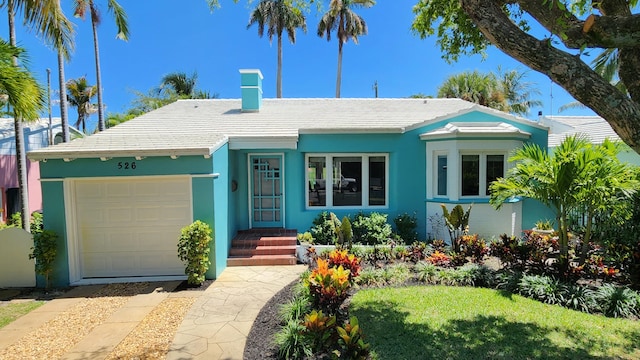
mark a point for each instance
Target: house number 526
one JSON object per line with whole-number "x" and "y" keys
{"x": 126, "y": 165}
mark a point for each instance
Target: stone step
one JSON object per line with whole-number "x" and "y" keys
{"x": 263, "y": 241}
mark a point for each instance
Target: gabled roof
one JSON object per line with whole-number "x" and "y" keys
{"x": 199, "y": 127}
{"x": 594, "y": 127}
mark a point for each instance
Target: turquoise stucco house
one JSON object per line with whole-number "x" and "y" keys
{"x": 119, "y": 198}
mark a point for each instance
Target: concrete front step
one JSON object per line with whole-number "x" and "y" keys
{"x": 262, "y": 260}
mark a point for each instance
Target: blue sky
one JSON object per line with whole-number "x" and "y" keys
{"x": 168, "y": 38}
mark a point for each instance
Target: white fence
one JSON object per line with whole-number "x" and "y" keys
{"x": 16, "y": 270}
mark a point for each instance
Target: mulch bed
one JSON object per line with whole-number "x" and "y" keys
{"x": 260, "y": 340}
{"x": 185, "y": 286}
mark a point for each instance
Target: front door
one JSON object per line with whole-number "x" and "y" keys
{"x": 266, "y": 191}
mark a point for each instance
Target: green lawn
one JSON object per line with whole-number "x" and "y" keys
{"x": 10, "y": 312}
{"x": 439, "y": 322}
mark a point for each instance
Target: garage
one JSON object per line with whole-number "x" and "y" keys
{"x": 129, "y": 227}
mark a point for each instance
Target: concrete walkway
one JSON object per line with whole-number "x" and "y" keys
{"x": 217, "y": 325}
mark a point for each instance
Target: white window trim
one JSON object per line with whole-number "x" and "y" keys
{"x": 483, "y": 170}
{"x": 436, "y": 154}
{"x": 364, "y": 175}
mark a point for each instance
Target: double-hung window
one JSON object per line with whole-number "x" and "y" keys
{"x": 349, "y": 180}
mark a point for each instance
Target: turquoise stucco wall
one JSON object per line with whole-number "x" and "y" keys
{"x": 221, "y": 208}
{"x": 407, "y": 170}
{"x": 55, "y": 220}
{"x": 54, "y": 172}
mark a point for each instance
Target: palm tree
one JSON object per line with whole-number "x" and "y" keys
{"x": 181, "y": 85}
{"x": 506, "y": 91}
{"x": 577, "y": 174}
{"x": 80, "y": 96}
{"x": 476, "y": 87}
{"x": 517, "y": 92}
{"x": 46, "y": 18}
{"x": 278, "y": 16}
{"x": 80, "y": 10}
{"x": 347, "y": 25}
{"x": 23, "y": 94}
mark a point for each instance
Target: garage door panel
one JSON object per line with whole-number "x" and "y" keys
{"x": 131, "y": 227}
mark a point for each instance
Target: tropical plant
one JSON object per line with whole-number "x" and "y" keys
{"x": 44, "y": 251}
{"x": 25, "y": 98}
{"x": 278, "y": 16}
{"x": 617, "y": 301}
{"x": 347, "y": 25}
{"x": 81, "y": 7}
{"x": 542, "y": 288}
{"x": 79, "y": 96}
{"x": 193, "y": 249}
{"x": 345, "y": 234}
{"x": 47, "y": 20}
{"x": 457, "y": 223}
{"x": 351, "y": 341}
{"x": 564, "y": 180}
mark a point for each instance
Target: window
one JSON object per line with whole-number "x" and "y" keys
{"x": 442, "y": 175}
{"x": 470, "y": 175}
{"x": 478, "y": 171}
{"x": 495, "y": 170}
{"x": 353, "y": 180}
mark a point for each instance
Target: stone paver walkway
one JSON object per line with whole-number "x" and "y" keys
{"x": 217, "y": 325}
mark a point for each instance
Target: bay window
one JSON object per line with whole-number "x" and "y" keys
{"x": 478, "y": 171}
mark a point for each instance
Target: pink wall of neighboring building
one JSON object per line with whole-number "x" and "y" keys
{"x": 9, "y": 179}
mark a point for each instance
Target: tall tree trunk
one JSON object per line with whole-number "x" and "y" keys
{"x": 64, "y": 114}
{"x": 279, "y": 79}
{"x": 21, "y": 158}
{"x": 339, "y": 77}
{"x": 94, "y": 26}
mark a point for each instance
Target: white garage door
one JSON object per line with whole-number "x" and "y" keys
{"x": 131, "y": 227}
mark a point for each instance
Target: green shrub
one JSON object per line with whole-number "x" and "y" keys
{"x": 406, "y": 226}
{"x": 426, "y": 272}
{"x": 508, "y": 280}
{"x": 462, "y": 276}
{"x": 292, "y": 342}
{"x": 35, "y": 225}
{"x": 370, "y": 277}
{"x": 396, "y": 274}
{"x": 294, "y": 309}
{"x": 618, "y": 302}
{"x": 481, "y": 275}
{"x": 580, "y": 298}
{"x": 193, "y": 249}
{"x": 324, "y": 229}
{"x": 542, "y": 288}
{"x": 44, "y": 251}
{"x": 372, "y": 229}
{"x": 474, "y": 247}
{"x": 305, "y": 237}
